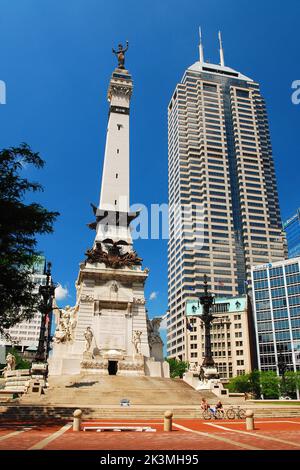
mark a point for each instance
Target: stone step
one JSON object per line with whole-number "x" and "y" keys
{"x": 47, "y": 413}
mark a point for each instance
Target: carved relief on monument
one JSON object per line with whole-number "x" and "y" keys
{"x": 87, "y": 298}
{"x": 94, "y": 364}
{"x": 139, "y": 301}
{"x": 126, "y": 365}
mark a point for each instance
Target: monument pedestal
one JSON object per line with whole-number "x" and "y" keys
{"x": 207, "y": 380}
{"x": 111, "y": 308}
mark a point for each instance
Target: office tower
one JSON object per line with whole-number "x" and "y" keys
{"x": 25, "y": 335}
{"x": 232, "y": 339}
{"x": 221, "y": 171}
{"x": 276, "y": 293}
{"x": 292, "y": 231}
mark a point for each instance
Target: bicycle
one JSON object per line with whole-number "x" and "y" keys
{"x": 209, "y": 414}
{"x": 237, "y": 412}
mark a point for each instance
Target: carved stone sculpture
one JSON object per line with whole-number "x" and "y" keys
{"x": 88, "y": 335}
{"x": 153, "y": 331}
{"x": 136, "y": 341}
{"x": 113, "y": 257}
{"x": 67, "y": 322}
{"x": 10, "y": 363}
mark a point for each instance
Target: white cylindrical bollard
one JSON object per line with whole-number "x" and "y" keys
{"x": 77, "y": 420}
{"x": 249, "y": 420}
{"x": 168, "y": 421}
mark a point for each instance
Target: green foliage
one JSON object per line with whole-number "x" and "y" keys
{"x": 289, "y": 385}
{"x": 239, "y": 384}
{"x": 177, "y": 368}
{"x": 269, "y": 384}
{"x": 254, "y": 380}
{"x": 19, "y": 225}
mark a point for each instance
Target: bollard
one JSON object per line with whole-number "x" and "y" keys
{"x": 77, "y": 420}
{"x": 249, "y": 420}
{"x": 168, "y": 421}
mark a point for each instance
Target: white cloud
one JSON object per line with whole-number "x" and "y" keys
{"x": 61, "y": 292}
{"x": 163, "y": 325}
{"x": 153, "y": 295}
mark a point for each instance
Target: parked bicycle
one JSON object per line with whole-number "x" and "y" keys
{"x": 237, "y": 412}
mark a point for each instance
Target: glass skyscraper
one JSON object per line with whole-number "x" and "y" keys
{"x": 292, "y": 230}
{"x": 221, "y": 171}
{"x": 276, "y": 304}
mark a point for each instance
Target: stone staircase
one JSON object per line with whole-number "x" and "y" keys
{"x": 99, "y": 398}
{"x": 88, "y": 390}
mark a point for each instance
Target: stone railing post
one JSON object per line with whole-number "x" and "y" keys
{"x": 249, "y": 420}
{"x": 77, "y": 415}
{"x": 168, "y": 421}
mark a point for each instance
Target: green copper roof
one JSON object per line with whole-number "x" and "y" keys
{"x": 229, "y": 304}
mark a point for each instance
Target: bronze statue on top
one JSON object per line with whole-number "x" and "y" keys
{"x": 120, "y": 53}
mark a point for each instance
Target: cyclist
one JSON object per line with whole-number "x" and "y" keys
{"x": 204, "y": 404}
{"x": 219, "y": 407}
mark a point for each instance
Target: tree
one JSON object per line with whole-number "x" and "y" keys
{"x": 177, "y": 368}
{"x": 269, "y": 384}
{"x": 20, "y": 222}
{"x": 291, "y": 383}
{"x": 240, "y": 384}
{"x": 254, "y": 380}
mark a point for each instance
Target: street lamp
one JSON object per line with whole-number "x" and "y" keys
{"x": 282, "y": 367}
{"x": 47, "y": 294}
{"x": 207, "y": 300}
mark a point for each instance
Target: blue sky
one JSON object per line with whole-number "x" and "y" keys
{"x": 56, "y": 62}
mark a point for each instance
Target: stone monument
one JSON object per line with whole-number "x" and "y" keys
{"x": 108, "y": 331}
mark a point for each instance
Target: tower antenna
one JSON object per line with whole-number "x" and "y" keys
{"x": 222, "y": 62}
{"x": 201, "y": 53}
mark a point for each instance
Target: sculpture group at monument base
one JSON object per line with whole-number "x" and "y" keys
{"x": 205, "y": 379}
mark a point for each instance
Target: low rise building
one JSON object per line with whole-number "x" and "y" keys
{"x": 25, "y": 335}
{"x": 232, "y": 335}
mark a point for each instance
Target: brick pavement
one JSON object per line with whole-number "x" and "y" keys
{"x": 188, "y": 434}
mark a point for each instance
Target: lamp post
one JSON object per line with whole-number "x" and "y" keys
{"x": 282, "y": 367}
{"x": 207, "y": 300}
{"x": 47, "y": 293}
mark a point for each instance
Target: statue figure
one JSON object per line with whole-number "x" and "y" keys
{"x": 67, "y": 322}
{"x": 120, "y": 53}
{"x": 136, "y": 341}
{"x": 10, "y": 363}
{"x": 193, "y": 367}
{"x": 88, "y": 335}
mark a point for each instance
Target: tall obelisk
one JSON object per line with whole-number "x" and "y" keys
{"x": 109, "y": 332}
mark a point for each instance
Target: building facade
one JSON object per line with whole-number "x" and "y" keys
{"x": 221, "y": 176}
{"x": 276, "y": 305}
{"x": 232, "y": 337}
{"x": 26, "y": 334}
{"x": 292, "y": 231}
